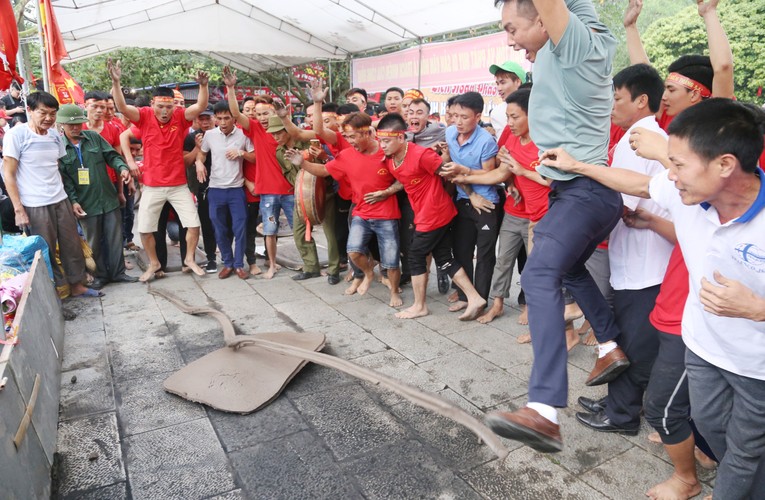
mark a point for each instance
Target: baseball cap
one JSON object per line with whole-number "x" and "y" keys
{"x": 509, "y": 67}
{"x": 208, "y": 111}
{"x": 71, "y": 114}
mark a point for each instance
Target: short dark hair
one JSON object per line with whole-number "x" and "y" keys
{"x": 450, "y": 101}
{"x": 330, "y": 107}
{"x": 394, "y": 89}
{"x": 347, "y": 109}
{"x": 521, "y": 98}
{"x": 135, "y": 140}
{"x": 422, "y": 101}
{"x": 97, "y": 95}
{"x": 221, "y": 107}
{"x": 37, "y": 99}
{"x": 263, "y": 99}
{"x": 142, "y": 101}
{"x": 720, "y": 126}
{"x": 357, "y": 90}
{"x": 525, "y": 7}
{"x": 392, "y": 121}
{"x": 695, "y": 67}
{"x": 246, "y": 99}
{"x": 163, "y": 92}
{"x": 641, "y": 79}
{"x": 470, "y": 100}
{"x": 357, "y": 120}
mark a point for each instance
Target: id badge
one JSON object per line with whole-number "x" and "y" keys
{"x": 83, "y": 176}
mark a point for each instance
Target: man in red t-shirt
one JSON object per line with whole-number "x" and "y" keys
{"x": 95, "y": 106}
{"x": 163, "y": 129}
{"x": 416, "y": 168}
{"x": 376, "y": 212}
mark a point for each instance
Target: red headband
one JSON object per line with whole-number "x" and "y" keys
{"x": 690, "y": 84}
{"x": 390, "y": 133}
{"x": 162, "y": 98}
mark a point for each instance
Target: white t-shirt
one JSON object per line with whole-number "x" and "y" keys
{"x": 736, "y": 249}
{"x": 38, "y": 177}
{"x": 225, "y": 173}
{"x": 498, "y": 117}
{"x": 638, "y": 257}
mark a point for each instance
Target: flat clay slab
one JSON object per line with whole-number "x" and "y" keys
{"x": 244, "y": 380}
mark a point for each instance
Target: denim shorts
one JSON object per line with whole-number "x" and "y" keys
{"x": 270, "y": 207}
{"x": 387, "y": 239}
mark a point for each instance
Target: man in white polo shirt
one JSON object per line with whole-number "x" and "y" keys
{"x": 715, "y": 193}
{"x": 228, "y": 204}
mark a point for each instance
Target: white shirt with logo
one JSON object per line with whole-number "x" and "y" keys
{"x": 736, "y": 250}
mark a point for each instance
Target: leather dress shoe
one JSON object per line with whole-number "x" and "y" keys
{"x": 243, "y": 275}
{"x": 527, "y": 426}
{"x": 98, "y": 283}
{"x": 225, "y": 273}
{"x": 608, "y": 367}
{"x": 601, "y": 423}
{"x": 592, "y": 405}
{"x": 333, "y": 279}
{"x": 305, "y": 275}
{"x": 124, "y": 278}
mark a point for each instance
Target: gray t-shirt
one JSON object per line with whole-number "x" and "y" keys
{"x": 225, "y": 173}
{"x": 571, "y": 101}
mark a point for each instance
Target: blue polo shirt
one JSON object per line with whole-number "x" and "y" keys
{"x": 480, "y": 147}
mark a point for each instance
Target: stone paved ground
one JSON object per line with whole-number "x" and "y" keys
{"x": 328, "y": 435}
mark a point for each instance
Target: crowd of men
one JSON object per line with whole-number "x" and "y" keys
{"x": 662, "y": 253}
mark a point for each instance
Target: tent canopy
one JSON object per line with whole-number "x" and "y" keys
{"x": 256, "y": 35}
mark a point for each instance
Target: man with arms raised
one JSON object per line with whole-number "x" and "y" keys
{"x": 163, "y": 128}
{"x": 570, "y": 105}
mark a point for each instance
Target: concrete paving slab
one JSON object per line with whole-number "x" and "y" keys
{"x": 417, "y": 475}
{"x": 494, "y": 345}
{"x": 274, "y": 421}
{"x": 82, "y": 349}
{"x": 86, "y": 391}
{"x": 112, "y": 492}
{"x": 230, "y": 495}
{"x": 349, "y": 421}
{"x": 418, "y": 343}
{"x": 281, "y": 288}
{"x": 368, "y": 314}
{"x": 178, "y": 462}
{"x": 296, "y": 466}
{"x": 395, "y": 365}
{"x": 347, "y": 340}
{"x": 444, "y": 322}
{"x": 79, "y": 440}
{"x": 314, "y": 379}
{"x": 143, "y": 405}
{"x": 143, "y": 356}
{"x": 479, "y": 381}
{"x": 310, "y": 314}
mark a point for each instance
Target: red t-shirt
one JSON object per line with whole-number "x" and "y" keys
{"x": 365, "y": 174}
{"x": 535, "y": 195}
{"x": 249, "y": 172}
{"x": 433, "y": 207}
{"x": 118, "y": 124}
{"x": 667, "y": 314}
{"x": 163, "y": 148}
{"x": 269, "y": 178}
{"x": 504, "y": 135}
{"x": 343, "y": 189}
{"x": 111, "y": 135}
{"x": 664, "y": 120}
{"x": 516, "y": 210}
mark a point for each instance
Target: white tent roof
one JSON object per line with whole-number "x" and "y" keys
{"x": 255, "y": 35}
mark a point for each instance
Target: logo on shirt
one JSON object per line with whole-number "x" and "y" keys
{"x": 382, "y": 171}
{"x": 415, "y": 181}
{"x": 751, "y": 256}
{"x": 534, "y": 164}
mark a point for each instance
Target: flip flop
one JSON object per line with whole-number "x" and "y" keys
{"x": 89, "y": 292}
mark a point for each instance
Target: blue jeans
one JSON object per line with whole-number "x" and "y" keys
{"x": 229, "y": 205}
{"x": 387, "y": 239}
{"x": 270, "y": 207}
{"x": 729, "y": 411}
{"x": 581, "y": 215}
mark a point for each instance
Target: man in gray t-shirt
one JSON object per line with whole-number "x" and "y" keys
{"x": 570, "y": 107}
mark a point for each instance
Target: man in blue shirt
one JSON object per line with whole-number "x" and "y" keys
{"x": 570, "y": 107}
{"x": 475, "y": 229}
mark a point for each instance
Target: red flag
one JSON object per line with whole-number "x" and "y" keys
{"x": 9, "y": 45}
{"x": 62, "y": 85}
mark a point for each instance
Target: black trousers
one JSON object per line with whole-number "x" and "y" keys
{"x": 476, "y": 234}
{"x": 342, "y": 216}
{"x": 405, "y": 231}
{"x": 253, "y": 214}
{"x": 639, "y": 340}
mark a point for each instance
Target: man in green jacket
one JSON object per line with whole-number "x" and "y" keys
{"x": 93, "y": 196}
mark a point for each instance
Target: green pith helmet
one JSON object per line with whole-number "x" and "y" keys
{"x": 71, "y": 114}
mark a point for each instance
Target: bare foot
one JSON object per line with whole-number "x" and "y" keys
{"x": 193, "y": 266}
{"x": 473, "y": 310}
{"x": 349, "y": 276}
{"x": 674, "y": 488}
{"x": 255, "y": 270}
{"x": 458, "y": 306}
{"x": 129, "y": 265}
{"x": 354, "y": 287}
{"x": 572, "y": 338}
{"x": 584, "y": 328}
{"x": 413, "y": 312}
{"x": 654, "y": 438}
{"x": 159, "y": 275}
{"x": 385, "y": 281}
{"x": 278, "y": 267}
{"x": 590, "y": 339}
{"x": 523, "y": 319}
{"x": 395, "y": 300}
{"x": 149, "y": 273}
{"x": 453, "y": 297}
{"x": 366, "y": 283}
{"x": 185, "y": 269}
{"x": 270, "y": 273}
{"x": 494, "y": 312}
{"x": 572, "y": 312}
{"x": 524, "y": 339}
{"x": 704, "y": 461}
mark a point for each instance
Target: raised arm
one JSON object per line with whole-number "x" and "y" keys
{"x": 125, "y": 145}
{"x": 195, "y": 109}
{"x": 318, "y": 94}
{"x": 635, "y": 47}
{"x": 229, "y": 78}
{"x": 293, "y": 130}
{"x": 115, "y": 72}
{"x": 555, "y": 17}
{"x": 720, "y": 55}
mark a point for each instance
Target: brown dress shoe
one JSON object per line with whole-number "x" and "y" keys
{"x": 527, "y": 426}
{"x": 608, "y": 367}
{"x": 225, "y": 273}
{"x": 243, "y": 275}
